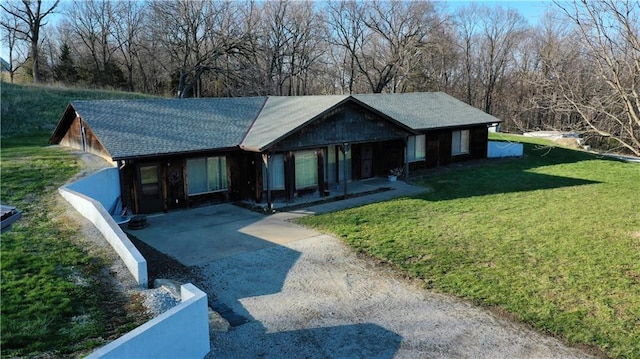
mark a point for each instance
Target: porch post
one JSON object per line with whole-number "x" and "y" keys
{"x": 321, "y": 182}
{"x": 266, "y": 158}
{"x": 344, "y": 149}
{"x": 406, "y": 156}
{"x": 289, "y": 178}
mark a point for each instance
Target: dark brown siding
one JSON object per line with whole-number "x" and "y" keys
{"x": 258, "y": 183}
{"x": 349, "y": 123}
{"x": 433, "y": 149}
{"x": 444, "y": 155}
{"x": 478, "y": 137}
{"x": 439, "y": 146}
{"x": 236, "y": 162}
{"x": 387, "y": 155}
{"x": 175, "y": 188}
{"x": 128, "y": 190}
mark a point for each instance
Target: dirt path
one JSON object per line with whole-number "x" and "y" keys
{"x": 314, "y": 298}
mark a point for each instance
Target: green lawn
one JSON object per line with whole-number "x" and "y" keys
{"x": 553, "y": 238}
{"x": 42, "y": 307}
{"x": 55, "y": 295}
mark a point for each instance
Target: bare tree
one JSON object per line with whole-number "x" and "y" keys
{"x": 197, "y": 35}
{"x": 31, "y": 15}
{"x": 610, "y": 34}
{"x": 12, "y": 37}
{"x": 400, "y": 33}
{"x": 129, "y": 22}
{"x": 293, "y": 34}
{"x": 93, "y": 22}
{"x": 468, "y": 24}
{"x": 348, "y": 32}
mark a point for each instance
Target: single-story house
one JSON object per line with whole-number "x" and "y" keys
{"x": 180, "y": 152}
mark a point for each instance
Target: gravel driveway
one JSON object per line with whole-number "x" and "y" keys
{"x": 313, "y": 298}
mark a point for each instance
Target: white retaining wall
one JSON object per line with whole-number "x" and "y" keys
{"x": 180, "y": 332}
{"x": 504, "y": 149}
{"x": 103, "y": 186}
{"x": 95, "y": 212}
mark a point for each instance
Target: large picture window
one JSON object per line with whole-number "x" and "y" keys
{"x": 416, "y": 146}
{"x": 306, "y": 169}
{"x": 276, "y": 173}
{"x": 206, "y": 175}
{"x": 460, "y": 142}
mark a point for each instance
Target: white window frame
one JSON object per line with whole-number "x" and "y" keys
{"x": 221, "y": 173}
{"x": 460, "y": 142}
{"x": 417, "y": 148}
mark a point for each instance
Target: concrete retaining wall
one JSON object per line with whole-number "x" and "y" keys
{"x": 504, "y": 149}
{"x": 103, "y": 186}
{"x": 180, "y": 332}
{"x": 95, "y": 212}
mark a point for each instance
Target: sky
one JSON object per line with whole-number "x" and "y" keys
{"x": 531, "y": 10}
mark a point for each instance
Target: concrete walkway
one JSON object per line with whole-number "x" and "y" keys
{"x": 201, "y": 235}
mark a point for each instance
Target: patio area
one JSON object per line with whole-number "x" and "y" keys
{"x": 198, "y": 236}
{"x": 372, "y": 189}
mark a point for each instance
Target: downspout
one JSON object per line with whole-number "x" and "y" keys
{"x": 124, "y": 199}
{"x": 83, "y": 133}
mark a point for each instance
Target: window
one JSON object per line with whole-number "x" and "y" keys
{"x": 330, "y": 171}
{"x": 416, "y": 148}
{"x": 460, "y": 142}
{"x": 149, "y": 180}
{"x": 276, "y": 173}
{"x": 306, "y": 169}
{"x": 206, "y": 175}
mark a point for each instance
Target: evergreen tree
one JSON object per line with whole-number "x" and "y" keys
{"x": 65, "y": 70}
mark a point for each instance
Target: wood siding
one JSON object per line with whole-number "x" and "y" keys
{"x": 88, "y": 142}
{"x": 174, "y": 179}
{"x": 439, "y": 142}
{"x": 349, "y": 123}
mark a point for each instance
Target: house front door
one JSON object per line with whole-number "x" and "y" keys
{"x": 150, "y": 188}
{"x": 366, "y": 160}
{"x": 175, "y": 185}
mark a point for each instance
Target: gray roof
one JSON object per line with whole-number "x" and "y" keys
{"x": 147, "y": 127}
{"x": 283, "y": 115}
{"x": 426, "y": 110}
{"x": 130, "y": 128}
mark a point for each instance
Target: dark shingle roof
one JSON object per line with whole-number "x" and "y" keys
{"x": 283, "y": 114}
{"x": 147, "y": 127}
{"x": 130, "y": 128}
{"x": 426, "y": 110}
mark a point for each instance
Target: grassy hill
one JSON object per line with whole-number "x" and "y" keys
{"x": 57, "y": 299}
{"x": 552, "y": 238}
{"x": 29, "y": 110}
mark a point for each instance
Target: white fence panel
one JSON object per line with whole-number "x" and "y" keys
{"x": 498, "y": 149}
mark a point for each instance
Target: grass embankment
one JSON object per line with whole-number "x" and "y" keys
{"x": 53, "y": 294}
{"x": 30, "y": 110}
{"x": 553, "y": 238}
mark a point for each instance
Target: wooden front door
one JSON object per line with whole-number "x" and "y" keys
{"x": 175, "y": 184}
{"x": 366, "y": 160}
{"x": 150, "y": 194}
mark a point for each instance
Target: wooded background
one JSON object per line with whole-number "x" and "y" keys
{"x": 576, "y": 69}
